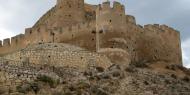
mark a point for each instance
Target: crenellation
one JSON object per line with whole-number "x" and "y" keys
{"x": 157, "y": 25}
{"x": 164, "y": 27}
{"x": 152, "y": 27}
{"x": 130, "y": 19}
{"x": 28, "y": 32}
{"x": 14, "y": 41}
{"x": 20, "y": 36}
{"x": 105, "y": 6}
{"x": 118, "y": 6}
{"x": 6, "y": 42}
{"x": 168, "y": 30}
{"x": 149, "y": 27}
{"x": 140, "y": 26}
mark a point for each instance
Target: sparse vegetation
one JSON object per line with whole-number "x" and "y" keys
{"x": 83, "y": 85}
{"x": 26, "y": 87}
{"x": 46, "y": 79}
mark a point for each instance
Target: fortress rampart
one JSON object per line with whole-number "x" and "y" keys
{"x": 61, "y": 55}
{"x": 163, "y": 42}
{"x": 44, "y": 35}
{"x": 130, "y": 19}
{"x": 111, "y": 28}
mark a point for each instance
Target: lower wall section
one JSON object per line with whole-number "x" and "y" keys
{"x": 60, "y": 55}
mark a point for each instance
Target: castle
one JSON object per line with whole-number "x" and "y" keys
{"x": 102, "y": 29}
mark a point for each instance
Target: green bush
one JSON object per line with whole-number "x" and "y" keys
{"x": 25, "y": 88}
{"x": 35, "y": 87}
{"x": 82, "y": 85}
{"x": 46, "y": 79}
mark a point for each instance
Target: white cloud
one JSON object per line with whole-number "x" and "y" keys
{"x": 16, "y": 15}
{"x": 5, "y": 33}
{"x": 186, "y": 53}
{"x": 188, "y": 66}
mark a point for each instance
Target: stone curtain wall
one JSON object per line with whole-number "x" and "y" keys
{"x": 147, "y": 43}
{"x": 42, "y": 34}
{"x": 16, "y": 72}
{"x": 60, "y": 56}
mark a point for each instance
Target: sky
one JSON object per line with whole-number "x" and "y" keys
{"x": 16, "y": 15}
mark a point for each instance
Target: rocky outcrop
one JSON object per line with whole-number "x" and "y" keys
{"x": 114, "y": 80}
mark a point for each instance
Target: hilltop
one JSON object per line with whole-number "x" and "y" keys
{"x": 82, "y": 49}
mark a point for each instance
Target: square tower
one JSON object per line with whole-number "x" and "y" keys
{"x": 69, "y": 12}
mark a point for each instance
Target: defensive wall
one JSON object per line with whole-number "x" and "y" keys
{"x": 14, "y": 73}
{"x": 144, "y": 43}
{"x": 59, "y": 55}
{"x": 43, "y": 35}
{"x": 115, "y": 30}
{"x": 159, "y": 43}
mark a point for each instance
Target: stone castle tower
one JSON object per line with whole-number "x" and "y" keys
{"x": 103, "y": 29}
{"x": 69, "y": 12}
{"x": 109, "y": 19}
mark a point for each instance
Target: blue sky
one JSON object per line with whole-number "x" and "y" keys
{"x": 16, "y": 15}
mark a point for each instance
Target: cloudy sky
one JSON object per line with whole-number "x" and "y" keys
{"x": 16, "y": 15}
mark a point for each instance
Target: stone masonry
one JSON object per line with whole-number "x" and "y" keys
{"x": 96, "y": 28}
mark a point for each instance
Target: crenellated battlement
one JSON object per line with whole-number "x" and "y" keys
{"x": 130, "y": 19}
{"x": 6, "y": 42}
{"x": 34, "y": 35}
{"x": 167, "y": 28}
{"x": 106, "y": 7}
{"x": 28, "y": 31}
{"x": 118, "y": 7}
{"x": 17, "y": 39}
{"x": 151, "y": 27}
{"x": 163, "y": 28}
{"x": 13, "y": 40}
{"x": 110, "y": 18}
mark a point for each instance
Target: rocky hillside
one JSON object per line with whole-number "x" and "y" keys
{"x": 134, "y": 79}
{"x": 62, "y": 69}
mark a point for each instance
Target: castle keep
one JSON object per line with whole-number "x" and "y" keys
{"x": 100, "y": 29}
